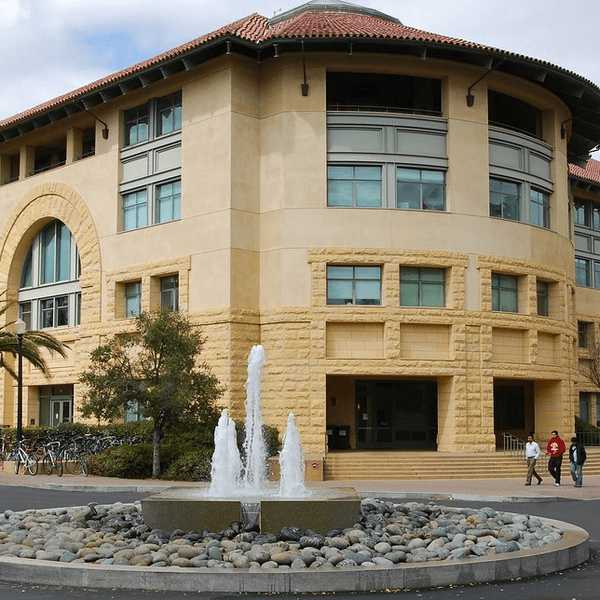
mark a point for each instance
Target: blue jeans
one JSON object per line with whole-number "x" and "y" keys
{"x": 577, "y": 474}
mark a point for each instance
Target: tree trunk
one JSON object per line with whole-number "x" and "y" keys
{"x": 156, "y": 452}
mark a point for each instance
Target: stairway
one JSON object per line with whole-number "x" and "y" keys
{"x": 382, "y": 465}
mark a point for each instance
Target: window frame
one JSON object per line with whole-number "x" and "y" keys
{"x": 148, "y": 114}
{"x": 503, "y": 291}
{"x": 420, "y": 283}
{"x": 542, "y": 293}
{"x": 41, "y": 289}
{"x": 169, "y": 294}
{"x": 422, "y": 184}
{"x": 354, "y": 297}
{"x": 132, "y": 292}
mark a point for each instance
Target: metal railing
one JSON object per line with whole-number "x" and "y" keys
{"x": 515, "y": 446}
{"x": 588, "y": 438}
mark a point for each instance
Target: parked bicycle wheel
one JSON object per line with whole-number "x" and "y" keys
{"x": 78, "y": 466}
{"x": 31, "y": 464}
{"x": 17, "y": 465}
{"x": 47, "y": 464}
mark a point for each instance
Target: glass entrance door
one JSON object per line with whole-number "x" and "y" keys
{"x": 60, "y": 410}
{"x": 55, "y": 405}
{"x": 396, "y": 414}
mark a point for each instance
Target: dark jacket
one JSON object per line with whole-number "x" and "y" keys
{"x": 581, "y": 454}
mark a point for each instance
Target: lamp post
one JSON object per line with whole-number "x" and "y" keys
{"x": 20, "y": 330}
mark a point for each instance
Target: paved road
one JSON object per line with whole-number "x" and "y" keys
{"x": 579, "y": 583}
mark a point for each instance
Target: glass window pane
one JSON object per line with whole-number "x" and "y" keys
{"x": 47, "y": 313}
{"x": 433, "y": 294}
{"x": 368, "y": 272}
{"x": 582, "y": 272}
{"x": 339, "y": 292}
{"x": 433, "y": 197}
{"x": 48, "y": 254}
{"x": 335, "y": 272}
{"x": 340, "y": 173}
{"x": 432, "y": 274}
{"x": 413, "y": 175}
{"x": 64, "y": 253}
{"x": 436, "y": 177}
{"x": 373, "y": 173}
{"x": 409, "y": 294}
{"x": 62, "y": 311}
{"x": 407, "y": 195}
{"x": 409, "y": 273}
{"x": 26, "y": 275}
{"x": 368, "y": 193}
{"x": 368, "y": 292}
{"x": 339, "y": 193}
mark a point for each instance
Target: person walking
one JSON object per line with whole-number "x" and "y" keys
{"x": 532, "y": 453}
{"x": 577, "y": 456}
{"x": 555, "y": 449}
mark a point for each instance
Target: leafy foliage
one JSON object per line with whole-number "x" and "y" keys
{"x": 157, "y": 370}
{"x": 127, "y": 461}
{"x": 33, "y": 342}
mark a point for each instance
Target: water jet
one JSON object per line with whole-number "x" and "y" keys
{"x": 240, "y": 491}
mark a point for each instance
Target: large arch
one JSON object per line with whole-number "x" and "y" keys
{"x": 40, "y": 206}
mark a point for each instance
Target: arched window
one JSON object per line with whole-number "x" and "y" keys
{"x": 49, "y": 292}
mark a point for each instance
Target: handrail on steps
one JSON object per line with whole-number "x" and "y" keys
{"x": 515, "y": 447}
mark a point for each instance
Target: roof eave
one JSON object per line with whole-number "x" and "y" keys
{"x": 581, "y": 96}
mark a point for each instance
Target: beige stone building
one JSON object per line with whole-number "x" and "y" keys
{"x": 389, "y": 212}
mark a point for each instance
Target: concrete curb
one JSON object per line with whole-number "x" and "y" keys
{"x": 571, "y": 550}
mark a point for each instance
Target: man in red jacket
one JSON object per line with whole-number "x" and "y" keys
{"x": 555, "y": 448}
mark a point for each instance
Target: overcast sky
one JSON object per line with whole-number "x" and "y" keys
{"x": 49, "y": 47}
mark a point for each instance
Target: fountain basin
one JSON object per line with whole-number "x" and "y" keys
{"x": 189, "y": 510}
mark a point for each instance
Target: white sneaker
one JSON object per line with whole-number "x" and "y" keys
{"x": 557, "y": 483}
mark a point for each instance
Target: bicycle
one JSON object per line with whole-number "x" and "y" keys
{"x": 22, "y": 456}
{"x": 75, "y": 461}
{"x": 52, "y": 458}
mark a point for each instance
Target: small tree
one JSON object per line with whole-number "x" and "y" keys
{"x": 589, "y": 365}
{"x": 157, "y": 370}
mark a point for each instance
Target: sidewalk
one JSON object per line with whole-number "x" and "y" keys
{"x": 509, "y": 490}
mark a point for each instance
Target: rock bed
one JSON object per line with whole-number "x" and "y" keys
{"x": 386, "y": 535}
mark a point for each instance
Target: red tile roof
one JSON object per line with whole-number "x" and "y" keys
{"x": 257, "y": 29}
{"x": 590, "y": 173}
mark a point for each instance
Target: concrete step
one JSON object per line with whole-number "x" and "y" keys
{"x": 373, "y": 465}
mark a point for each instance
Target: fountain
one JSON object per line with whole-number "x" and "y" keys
{"x": 240, "y": 491}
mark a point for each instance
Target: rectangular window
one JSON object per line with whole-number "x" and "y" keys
{"x": 354, "y": 186}
{"x": 543, "y": 298}
{"x": 169, "y": 292}
{"x": 25, "y": 314}
{"x": 353, "y": 285}
{"x": 54, "y": 312}
{"x": 539, "y": 208}
{"x": 136, "y": 124}
{"x": 505, "y": 293}
{"x": 168, "y": 114}
{"x": 420, "y": 189}
{"x": 421, "y": 286}
{"x": 504, "y": 199}
{"x": 583, "y": 275}
{"x": 581, "y": 212}
{"x": 582, "y": 334}
{"x": 168, "y": 202}
{"x": 133, "y": 298}
{"x": 135, "y": 210}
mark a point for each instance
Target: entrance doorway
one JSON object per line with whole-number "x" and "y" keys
{"x": 55, "y": 405}
{"x": 513, "y": 409}
{"x": 396, "y": 414}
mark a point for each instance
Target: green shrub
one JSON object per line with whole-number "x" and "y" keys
{"x": 190, "y": 465}
{"x": 127, "y": 461}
